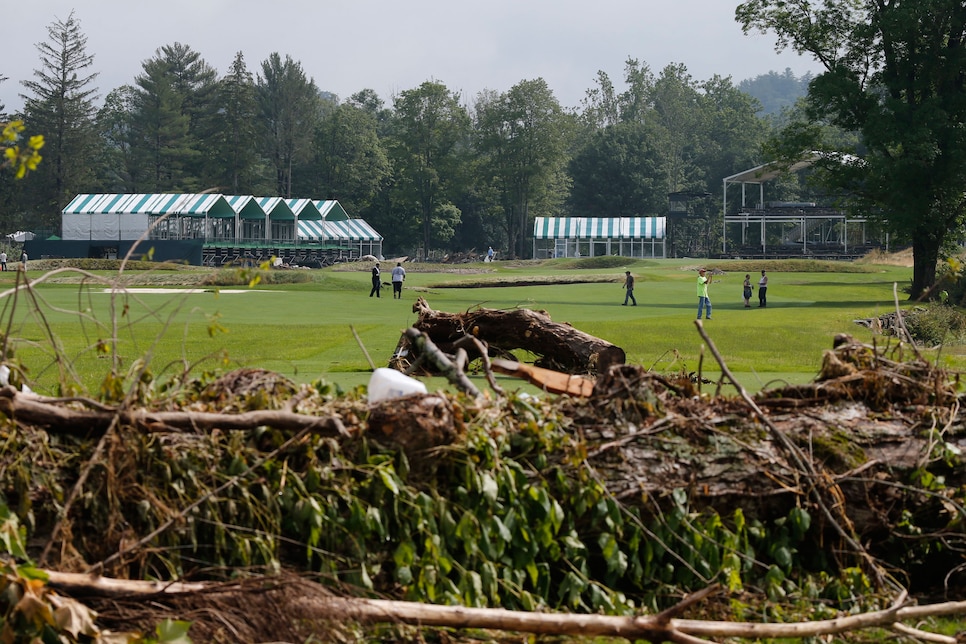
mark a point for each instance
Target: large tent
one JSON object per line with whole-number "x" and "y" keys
{"x": 764, "y": 229}
{"x": 219, "y": 220}
{"x": 126, "y": 217}
{"x": 596, "y": 236}
{"x": 335, "y": 227}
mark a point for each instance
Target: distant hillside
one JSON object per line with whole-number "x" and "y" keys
{"x": 776, "y": 91}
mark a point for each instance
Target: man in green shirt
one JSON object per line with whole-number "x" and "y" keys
{"x": 704, "y": 302}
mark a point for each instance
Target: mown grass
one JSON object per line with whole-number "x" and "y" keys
{"x": 300, "y": 323}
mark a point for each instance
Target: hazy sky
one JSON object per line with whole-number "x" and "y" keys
{"x": 392, "y": 46}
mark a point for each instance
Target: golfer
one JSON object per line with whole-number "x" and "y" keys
{"x": 704, "y": 302}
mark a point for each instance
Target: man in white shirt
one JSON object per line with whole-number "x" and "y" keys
{"x": 398, "y": 275}
{"x": 762, "y": 290}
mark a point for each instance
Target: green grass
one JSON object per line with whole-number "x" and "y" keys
{"x": 304, "y": 330}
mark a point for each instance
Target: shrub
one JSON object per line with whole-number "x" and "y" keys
{"x": 935, "y": 324}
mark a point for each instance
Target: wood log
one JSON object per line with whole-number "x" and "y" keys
{"x": 559, "y": 347}
{"x": 548, "y": 380}
{"x": 53, "y": 414}
{"x": 310, "y": 602}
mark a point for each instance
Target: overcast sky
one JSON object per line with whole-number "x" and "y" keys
{"x": 391, "y": 46}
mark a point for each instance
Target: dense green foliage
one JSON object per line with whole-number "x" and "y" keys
{"x": 512, "y": 516}
{"x": 893, "y": 75}
{"x": 776, "y": 92}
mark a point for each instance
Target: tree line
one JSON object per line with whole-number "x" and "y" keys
{"x": 440, "y": 172}
{"x": 435, "y": 170}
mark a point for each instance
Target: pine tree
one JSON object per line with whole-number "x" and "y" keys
{"x": 233, "y": 151}
{"x": 60, "y": 103}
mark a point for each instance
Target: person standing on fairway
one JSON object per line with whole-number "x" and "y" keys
{"x": 398, "y": 275}
{"x": 629, "y": 288}
{"x": 376, "y": 284}
{"x": 762, "y": 290}
{"x": 704, "y": 302}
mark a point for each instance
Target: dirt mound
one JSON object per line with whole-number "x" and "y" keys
{"x": 899, "y": 258}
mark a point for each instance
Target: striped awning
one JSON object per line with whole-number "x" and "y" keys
{"x": 199, "y": 205}
{"x": 304, "y": 208}
{"x": 245, "y": 206}
{"x": 312, "y": 229}
{"x": 348, "y": 230}
{"x": 276, "y": 207}
{"x": 352, "y": 230}
{"x": 599, "y": 227}
{"x": 331, "y": 210}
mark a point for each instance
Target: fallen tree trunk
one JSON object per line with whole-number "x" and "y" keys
{"x": 313, "y": 603}
{"x": 557, "y": 346}
{"x": 53, "y": 414}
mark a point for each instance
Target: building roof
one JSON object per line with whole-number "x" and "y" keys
{"x": 211, "y": 205}
{"x": 348, "y": 230}
{"x": 599, "y": 227}
{"x": 331, "y": 210}
{"x": 769, "y": 171}
{"x": 155, "y": 204}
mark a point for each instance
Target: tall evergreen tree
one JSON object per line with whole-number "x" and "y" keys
{"x": 114, "y": 125}
{"x": 235, "y": 160}
{"x": 160, "y": 137}
{"x": 289, "y": 110}
{"x": 172, "y": 120}
{"x": 196, "y": 83}
{"x": 60, "y": 103}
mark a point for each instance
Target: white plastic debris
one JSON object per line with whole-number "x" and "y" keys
{"x": 389, "y": 383}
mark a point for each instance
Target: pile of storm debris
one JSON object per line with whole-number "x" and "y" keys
{"x": 870, "y": 450}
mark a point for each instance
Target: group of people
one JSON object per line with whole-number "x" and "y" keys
{"x": 704, "y": 280}
{"x": 704, "y": 301}
{"x": 762, "y": 290}
{"x": 398, "y": 276}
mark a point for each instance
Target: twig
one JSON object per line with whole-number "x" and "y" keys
{"x": 483, "y": 350}
{"x": 372, "y": 365}
{"x": 700, "y": 361}
{"x": 652, "y": 628}
{"x": 85, "y": 423}
{"x": 443, "y": 363}
{"x": 900, "y": 320}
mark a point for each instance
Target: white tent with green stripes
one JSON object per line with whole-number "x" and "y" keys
{"x": 125, "y": 217}
{"x": 597, "y": 236}
{"x": 219, "y": 220}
